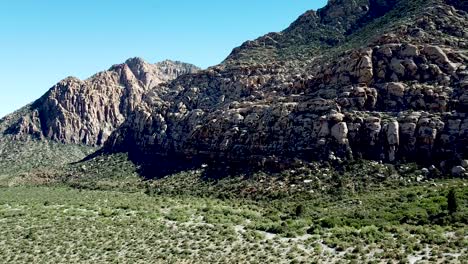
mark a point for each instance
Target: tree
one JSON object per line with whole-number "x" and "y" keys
{"x": 299, "y": 210}
{"x": 452, "y": 202}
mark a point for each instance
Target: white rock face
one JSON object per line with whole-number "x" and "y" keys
{"x": 340, "y": 132}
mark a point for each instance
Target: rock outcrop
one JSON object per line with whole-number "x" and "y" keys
{"x": 391, "y": 86}
{"x": 87, "y": 112}
{"x": 376, "y": 79}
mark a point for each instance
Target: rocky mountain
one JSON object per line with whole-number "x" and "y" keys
{"x": 378, "y": 79}
{"x": 87, "y": 112}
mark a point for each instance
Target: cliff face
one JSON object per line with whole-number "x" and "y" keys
{"x": 387, "y": 81}
{"x": 87, "y": 112}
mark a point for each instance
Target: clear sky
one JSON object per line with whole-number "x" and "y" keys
{"x": 42, "y": 42}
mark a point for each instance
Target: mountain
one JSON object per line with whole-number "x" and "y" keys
{"x": 375, "y": 79}
{"x": 87, "y": 112}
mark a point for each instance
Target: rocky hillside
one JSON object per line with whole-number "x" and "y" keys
{"x": 87, "y": 112}
{"x": 383, "y": 80}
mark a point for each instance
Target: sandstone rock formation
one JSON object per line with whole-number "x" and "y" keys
{"x": 87, "y": 112}
{"x": 397, "y": 94}
{"x": 375, "y": 79}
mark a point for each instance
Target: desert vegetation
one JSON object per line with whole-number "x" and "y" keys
{"x": 188, "y": 218}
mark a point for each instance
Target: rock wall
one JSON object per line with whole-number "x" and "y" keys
{"x": 87, "y": 112}
{"x": 403, "y": 97}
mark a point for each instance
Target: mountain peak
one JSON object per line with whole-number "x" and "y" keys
{"x": 76, "y": 111}
{"x": 135, "y": 61}
{"x": 339, "y": 23}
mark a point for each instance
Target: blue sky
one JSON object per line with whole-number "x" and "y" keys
{"x": 42, "y": 42}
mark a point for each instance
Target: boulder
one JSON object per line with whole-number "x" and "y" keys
{"x": 464, "y": 164}
{"x": 396, "y": 89}
{"x": 340, "y": 132}
{"x": 409, "y": 50}
{"x": 458, "y": 171}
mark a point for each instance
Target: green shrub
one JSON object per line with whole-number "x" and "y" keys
{"x": 299, "y": 210}
{"x": 452, "y": 201}
{"x": 330, "y": 222}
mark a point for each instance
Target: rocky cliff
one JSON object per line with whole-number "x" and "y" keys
{"x": 87, "y": 112}
{"x": 383, "y": 80}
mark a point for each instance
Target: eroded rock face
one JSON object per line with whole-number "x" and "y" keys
{"x": 87, "y": 112}
{"x": 403, "y": 97}
{"x": 322, "y": 88}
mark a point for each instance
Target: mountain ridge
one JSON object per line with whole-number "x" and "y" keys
{"x": 87, "y": 111}
{"x": 329, "y": 26}
{"x": 349, "y": 101}
{"x": 374, "y": 79}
